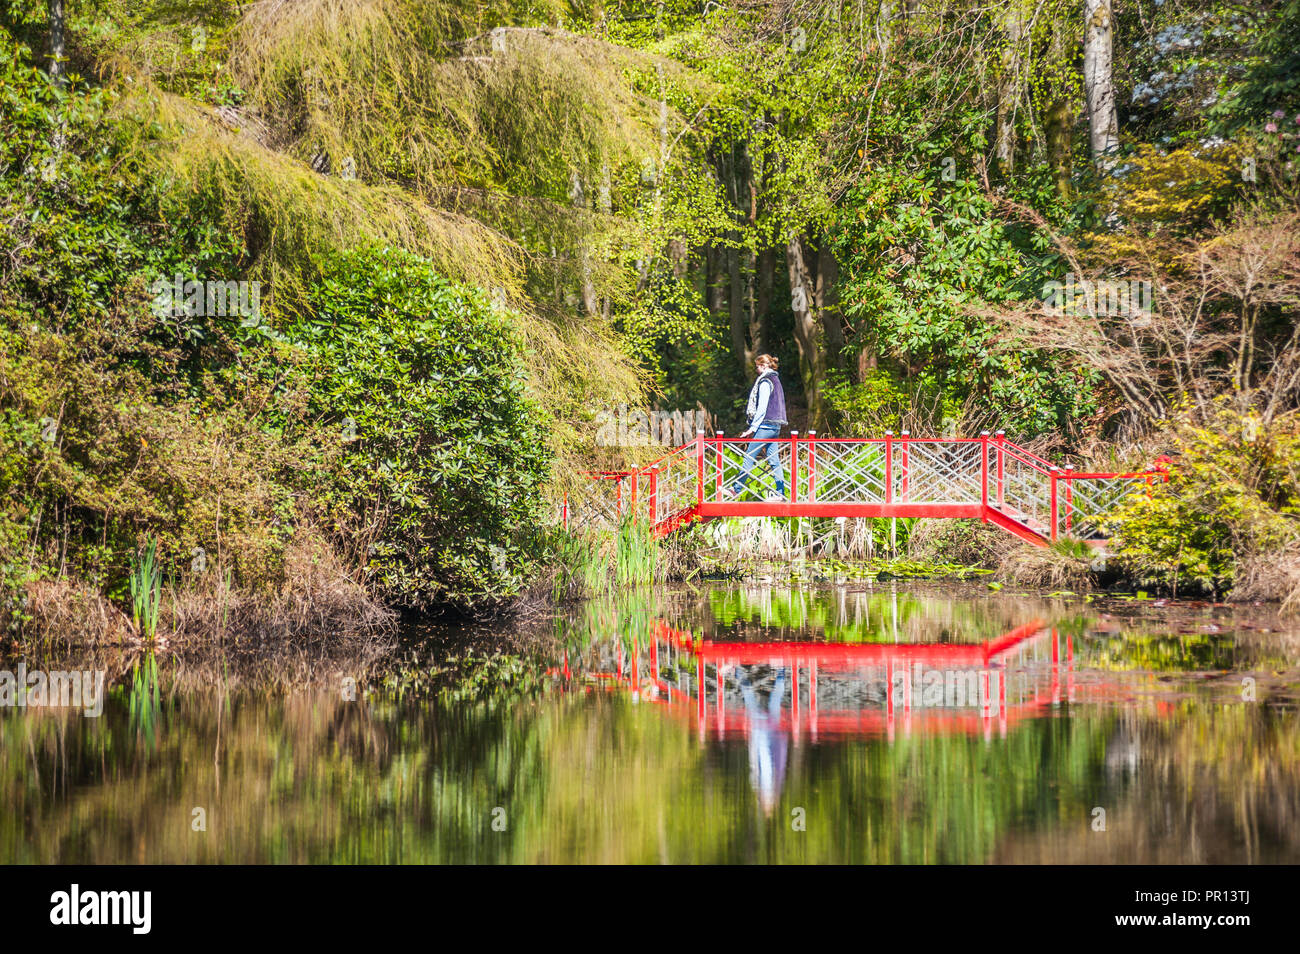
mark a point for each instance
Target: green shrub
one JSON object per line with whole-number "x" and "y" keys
{"x": 920, "y": 261}
{"x": 80, "y": 215}
{"x": 117, "y": 421}
{"x": 870, "y": 408}
{"x": 444, "y": 453}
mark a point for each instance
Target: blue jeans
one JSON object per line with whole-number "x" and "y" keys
{"x": 773, "y": 459}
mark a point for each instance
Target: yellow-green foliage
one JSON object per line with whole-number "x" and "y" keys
{"x": 397, "y": 85}
{"x": 1179, "y": 186}
{"x": 566, "y": 144}
{"x": 293, "y": 215}
{"x": 1233, "y": 497}
{"x": 498, "y": 153}
{"x": 539, "y": 133}
{"x": 1157, "y": 192}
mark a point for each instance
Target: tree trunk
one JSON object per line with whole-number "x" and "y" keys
{"x": 57, "y": 40}
{"x": 828, "y": 305}
{"x": 713, "y": 296}
{"x": 809, "y": 333}
{"x": 736, "y": 310}
{"x": 751, "y": 284}
{"x": 867, "y": 361}
{"x": 766, "y": 272}
{"x": 1059, "y": 123}
{"x": 1098, "y": 82}
{"x": 1009, "y": 88}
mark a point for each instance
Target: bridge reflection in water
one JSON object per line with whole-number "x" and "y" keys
{"x": 775, "y": 694}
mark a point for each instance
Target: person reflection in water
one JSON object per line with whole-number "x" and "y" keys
{"x": 768, "y": 745}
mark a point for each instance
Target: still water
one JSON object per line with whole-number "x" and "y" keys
{"x": 885, "y": 723}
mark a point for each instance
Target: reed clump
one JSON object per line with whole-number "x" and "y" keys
{"x": 145, "y": 580}
{"x": 576, "y": 568}
{"x": 584, "y": 562}
{"x": 1064, "y": 565}
{"x": 967, "y": 542}
{"x": 1270, "y": 577}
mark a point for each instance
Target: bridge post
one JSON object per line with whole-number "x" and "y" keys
{"x": 631, "y": 503}
{"x": 717, "y": 468}
{"x": 722, "y": 712}
{"x": 902, "y": 477}
{"x": 1069, "y": 499}
{"x": 812, "y": 466}
{"x": 1001, "y": 437}
{"x": 699, "y": 467}
{"x": 794, "y": 466}
{"x": 654, "y": 495}
{"x": 984, "y": 474}
{"x": 889, "y": 467}
{"x": 1055, "y": 471}
{"x": 564, "y": 511}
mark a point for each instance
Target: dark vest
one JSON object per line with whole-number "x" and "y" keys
{"x": 775, "y": 402}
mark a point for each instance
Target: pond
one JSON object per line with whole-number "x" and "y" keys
{"x": 878, "y": 723}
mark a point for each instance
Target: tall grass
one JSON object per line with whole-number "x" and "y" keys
{"x": 581, "y": 569}
{"x": 636, "y": 553}
{"x": 146, "y": 590}
{"x": 1064, "y": 565}
{"x": 587, "y": 563}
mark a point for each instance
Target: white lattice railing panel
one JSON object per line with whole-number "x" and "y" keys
{"x": 597, "y": 507}
{"x": 1025, "y": 492}
{"x": 676, "y": 483}
{"x": 847, "y": 472}
{"x": 1085, "y": 501}
{"x": 938, "y": 472}
{"x": 726, "y": 460}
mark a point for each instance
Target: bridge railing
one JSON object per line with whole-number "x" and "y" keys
{"x": 674, "y": 484}
{"x": 987, "y": 472}
{"x": 1086, "y": 499}
{"x": 601, "y": 504}
{"x": 724, "y": 461}
{"x": 1022, "y": 486}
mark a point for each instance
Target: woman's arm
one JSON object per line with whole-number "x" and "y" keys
{"x": 764, "y": 392}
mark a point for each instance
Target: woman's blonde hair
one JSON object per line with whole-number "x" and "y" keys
{"x": 767, "y": 361}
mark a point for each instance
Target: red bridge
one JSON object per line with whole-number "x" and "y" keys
{"x": 987, "y": 478}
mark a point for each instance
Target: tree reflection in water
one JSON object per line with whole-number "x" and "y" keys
{"x": 609, "y": 751}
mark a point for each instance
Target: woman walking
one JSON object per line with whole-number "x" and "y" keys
{"x": 766, "y": 413}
